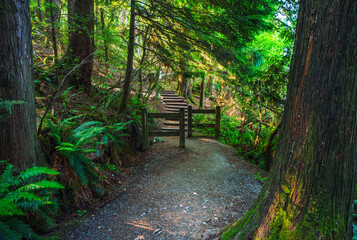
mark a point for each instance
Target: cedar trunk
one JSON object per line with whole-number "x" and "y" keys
{"x": 81, "y": 41}
{"x": 310, "y": 191}
{"x": 18, "y": 139}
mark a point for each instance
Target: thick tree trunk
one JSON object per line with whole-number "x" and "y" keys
{"x": 81, "y": 41}
{"x": 18, "y": 139}
{"x": 130, "y": 59}
{"x": 310, "y": 191}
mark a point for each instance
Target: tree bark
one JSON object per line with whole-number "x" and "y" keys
{"x": 202, "y": 93}
{"x": 105, "y": 38}
{"x": 81, "y": 41}
{"x": 310, "y": 191}
{"x": 130, "y": 60}
{"x": 210, "y": 85}
{"x": 182, "y": 80}
{"x": 18, "y": 139}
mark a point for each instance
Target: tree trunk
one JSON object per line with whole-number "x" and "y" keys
{"x": 202, "y": 93}
{"x": 268, "y": 153}
{"x": 310, "y": 191}
{"x": 18, "y": 139}
{"x": 105, "y": 38}
{"x": 210, "y": 85}
{"x": 81, "y": 42}
{"x": 70, "y": 8}
{"x": 54, "y": 17}
{"x": 130, "y": 59}
{"x": 182, "y": 80}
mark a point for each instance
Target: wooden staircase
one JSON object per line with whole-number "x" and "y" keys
{"x": 173, "y": 102}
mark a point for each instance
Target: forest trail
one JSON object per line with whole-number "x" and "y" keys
{"x": 175, "y": 194}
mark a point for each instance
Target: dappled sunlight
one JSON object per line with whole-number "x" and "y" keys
{"x": 141, "y": 224}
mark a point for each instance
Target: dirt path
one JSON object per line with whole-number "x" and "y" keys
{"x": 176, "y": 194}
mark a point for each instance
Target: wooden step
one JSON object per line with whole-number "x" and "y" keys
{"x": 177, "y": 104}
{"x": 173, "y": 123}
{"x": 168, "y": 91}
{"x": 175, "y": 100}
{"x": 174, "y": 109}
{"x": 171, "y": 129}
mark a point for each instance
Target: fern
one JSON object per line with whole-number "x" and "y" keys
{"x": 21, "y": 198}
{"x": 7, "y": 233}
{"x": 32, "y": 172}
{"x": 9, "y": 208}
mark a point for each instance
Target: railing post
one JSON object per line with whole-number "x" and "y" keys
{"x": 182, "y": 127}
{"x": 145, "y": 128}
{"x": 189, "y": 121}
{"x": 218, "y": 121}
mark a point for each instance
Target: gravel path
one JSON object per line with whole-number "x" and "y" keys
{"x": 175, "y": 194}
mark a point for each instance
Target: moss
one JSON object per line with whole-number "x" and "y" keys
{"x": 279, "y": 228}
{"x": 231, "y": 231}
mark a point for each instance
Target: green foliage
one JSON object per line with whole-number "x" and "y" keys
{"x": 24, "y": 201}
{"x": 75, "y": 142}
{"x": 259, "y": 178}
{"x": 81, "y": 212}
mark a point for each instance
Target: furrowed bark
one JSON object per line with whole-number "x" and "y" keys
{"x": 310, "y": 191}
{"x": 18, "y": 139}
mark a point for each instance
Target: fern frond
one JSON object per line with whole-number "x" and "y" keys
{"x": 9, "y": 208}
{"x": 27, "y": 201}
{"x": 19, "y": 226}
{"x": 69, "y": 121}
{"x": 86, "y": 135}
{"x": 32, "y": 172}
{"x": 6, "y": 177}
{"x": 41, "y": 221}
{"x": 44, "y": 184}
{"x": 7, "y": 233}
{"x": 79, "y": 169}
{"x": 86, "y": 125}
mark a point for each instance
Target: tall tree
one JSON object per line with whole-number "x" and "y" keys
{"x": 130, "y": 60}
{"x": 18, "y": 139}
{"x": 310, "y": 191}
{"x": 81, "y": 41}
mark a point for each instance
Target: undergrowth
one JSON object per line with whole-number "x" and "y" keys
{"x": 26, "y": 202}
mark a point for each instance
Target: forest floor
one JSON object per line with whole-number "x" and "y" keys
{"x": 174, "y": 194}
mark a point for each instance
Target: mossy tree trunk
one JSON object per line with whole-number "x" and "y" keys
{"x": 18, "y": 139}
{"x": 310, "y": 191}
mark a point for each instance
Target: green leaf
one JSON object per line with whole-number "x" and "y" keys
{"x": 32, "y": 172}
{"x": 9, "y": 208}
